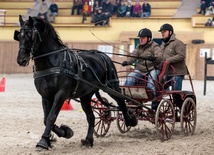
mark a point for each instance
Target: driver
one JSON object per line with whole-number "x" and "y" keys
{"x": 146, "y": 48}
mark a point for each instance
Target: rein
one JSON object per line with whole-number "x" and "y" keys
{"x": 47, "y": 54}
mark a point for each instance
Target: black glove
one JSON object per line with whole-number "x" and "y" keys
{"x": 124, "y": 63}
{"x": 151, "y": 58}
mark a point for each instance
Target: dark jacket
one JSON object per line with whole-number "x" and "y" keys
{"x": 174, "y": 51}
{"x": 53, "y": 8}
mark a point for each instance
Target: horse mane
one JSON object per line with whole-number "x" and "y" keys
{"x": 49, "y": 31}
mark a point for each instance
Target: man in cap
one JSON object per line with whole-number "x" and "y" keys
{"x": 147, "y": 48}
{"x": 174, "y": 53}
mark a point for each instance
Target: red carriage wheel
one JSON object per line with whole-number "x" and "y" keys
{"x": 165, "y": 120}
{"x": 188, "y": 116}
{"x": 102, "y": 118}
{"x": 121, "y": 123}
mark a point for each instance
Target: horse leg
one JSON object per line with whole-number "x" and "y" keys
{"x": 50, "y": 118}
{"x": 86, "y": 106}
{"x": 129, "y": 120}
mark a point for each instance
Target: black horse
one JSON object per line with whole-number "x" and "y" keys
{"x": 61, "y": 73}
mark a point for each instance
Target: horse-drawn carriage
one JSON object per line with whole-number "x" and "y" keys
{"x": 61, "y": 73}
{"x": 175, "y": 106}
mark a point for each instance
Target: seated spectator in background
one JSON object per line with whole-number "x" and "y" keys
{"x": 116, "y": 6}
{"x": 53, "y": 11}
{"x": 43, "y": 10}
{"x": 210, "y": 10}
{"x": 96, "y": 5}
{"x": 137, "y": 9}
{"x": 76, "y": 6}
{"x": 121, "y": 12}
{"x": 85, "y": 11}
{"x": 208, "y": 2}
{"x": 101, "y": 18}
{"x": 213, "y": 21}
{"x": 107, "y": 7}
{"x": 202, "y": 7}
{"x": 129, "y": 9}
{"x": 209, "y": 22}
{"x": 146, "y": 9}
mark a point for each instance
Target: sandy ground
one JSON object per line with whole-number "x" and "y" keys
{"x": 21, "y": 126}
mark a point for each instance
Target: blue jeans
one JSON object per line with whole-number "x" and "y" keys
{"x": 145, "y": 14}
{"x": 152, "y": 75}
{"x": 178, "y": 82}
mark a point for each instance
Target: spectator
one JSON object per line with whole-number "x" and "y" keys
{"x": 202, "y": 7}
{"x": 146, "y": 9}
{"x": 129, "y": 9}
{"x": 121, "y": 12}
{"x": 146, "y": 48}
{"x": 85, "y": 10}
{"x": 53, "y": 11}
{"x": 108, "y": 7}
{"x": 76, "y": 6}
{"x": 43, "y": 10}
{"x": 115, "y": 7}
{"x": 96, "y": 5}
{"x": 210, "y": 10}
{"x": 213, "y": 21}
{"x": 209, "y": 22}
{"x": 137, "y": 9}
{"x": 101, "y": 18}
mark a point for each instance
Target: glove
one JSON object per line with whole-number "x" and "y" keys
{"x": 151, "y": 58}
{"x": 124, "y": 63}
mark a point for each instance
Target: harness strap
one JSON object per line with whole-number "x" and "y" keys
{"x": 46, "y": 72}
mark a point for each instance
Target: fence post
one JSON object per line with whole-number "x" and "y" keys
{"x": 206, "y": 62}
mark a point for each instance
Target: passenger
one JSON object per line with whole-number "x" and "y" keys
{"x": 174, "y": 53}
{"x": 146, "y": 48}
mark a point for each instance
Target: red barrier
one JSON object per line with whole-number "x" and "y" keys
{"x": 2, "y": 84}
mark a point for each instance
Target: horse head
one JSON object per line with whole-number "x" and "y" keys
{"x": 29, "y": 38}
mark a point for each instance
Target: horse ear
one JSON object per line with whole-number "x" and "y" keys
{"x": 21, "y": 20}
{"x": 31, "y": 20}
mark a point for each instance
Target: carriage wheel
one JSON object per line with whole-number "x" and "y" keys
{"x": 102, "y": 118}
{"x": 188, "y": 116}
{"x": 165, "y": 120}
{"x": 121, "y": 123}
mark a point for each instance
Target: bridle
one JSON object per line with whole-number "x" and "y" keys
{"x": 35, "y": 34}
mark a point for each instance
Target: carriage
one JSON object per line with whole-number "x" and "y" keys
{"x": 175, "y": 106}
{"x": 61, "y": 73}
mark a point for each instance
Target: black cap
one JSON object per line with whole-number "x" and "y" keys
{"x": 145, "y": 33}
{"x": 166, "y": 27}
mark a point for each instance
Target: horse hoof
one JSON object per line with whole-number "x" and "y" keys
{"x": 132, "y": 121}
{"x": 68, "y": 132}
{"x": 42, "y": 144}
{"x": 87, "y": 142}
